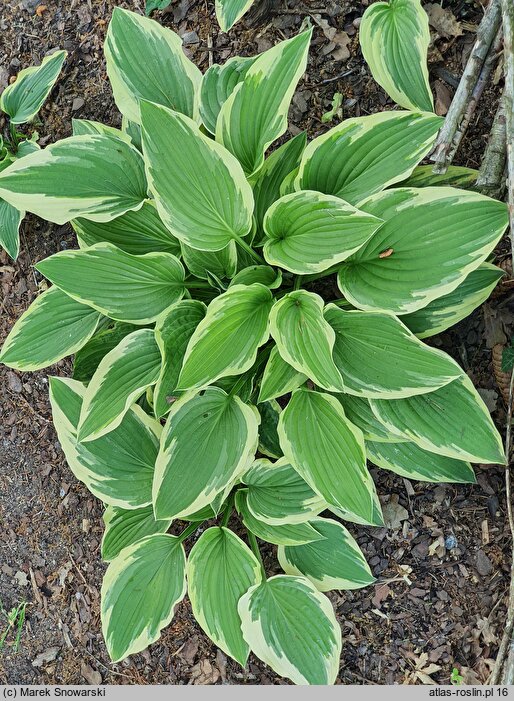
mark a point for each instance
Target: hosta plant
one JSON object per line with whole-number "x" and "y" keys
{"x": 20, "y": 102}
{"x": 246, "y": 334}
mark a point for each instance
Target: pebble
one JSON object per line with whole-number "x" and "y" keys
{"x": 450, "y": 542}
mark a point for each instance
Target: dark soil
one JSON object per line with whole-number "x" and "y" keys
{"x": 442, "y": 565}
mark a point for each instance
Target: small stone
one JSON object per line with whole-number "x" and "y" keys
{"x": 190, "y": 38}
{"x": 14, "y": 382}
{"x": 484, "y": 564}
{"x": 450, "y": 542}
{"x": 78, "y": 102}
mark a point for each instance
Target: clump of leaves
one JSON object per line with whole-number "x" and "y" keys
{"x": 21, "y": 101}
{"x": 216, "y": 381}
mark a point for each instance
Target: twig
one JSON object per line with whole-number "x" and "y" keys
{"x": 486, "y": 34}
{"x": 483, "y": 78}
{"x": 490, "y": 180}
{"x": 504, "y": 668}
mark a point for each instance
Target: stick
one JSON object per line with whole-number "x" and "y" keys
{"x": 486, "y": 34}
{"x": 483, "y": 78}
{"x": 491, "y": 179}
{"x": 504, "y": 668}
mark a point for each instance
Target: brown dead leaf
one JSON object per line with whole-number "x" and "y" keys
{"x": 92, "y": 676}
{"x": 41, "y": 9}
{"x": 498, "y": 324}
{"x": 382, "y": 591}
{"x": 443, "y": 98}
{"x": 443, "y": 21}
{"x": 341, "y": 52}
{"x": 204, "y": 673}
{"x": 394, "y": 513}
{"x": 485, "y": 630}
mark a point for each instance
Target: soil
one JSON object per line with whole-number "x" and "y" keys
{"x": 442, "y": 565}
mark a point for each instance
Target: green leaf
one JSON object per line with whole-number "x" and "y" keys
{"x": 279, "y": 378}
{"x": 376, "y": 519}
{"x": 172, "y": 333}
{"x": 255, "y": 114}
{"x": 268, "y": 437}
{"x": 152, "y": 5}
{"x": 218, "y": 84}
{"x": 88, "y": 358}
{"x": 304, "y": 339}
{"x": 263, "y": 274}
{"x": 291, "y": 627}
{"x": 431, "y": 240}
{"x": 364, "y": 155}
{"x": 128, "y": 288}
{"x": 278, "y": 495}
{"x": 204, "y": 199}
{"x": 120, "y": 379}
{"x": 227, "y": 339}
{"x": 507, "y": 358}
{"x": 10, "y": 220}
{"x": 24, "y": 98}
{"x": 451, "y": 421}
{"x": 358, "y": 410}
{"x": 203, "y": 264}
{"x": 81, "y": 127}
{"x": 285, "y": 534}
{"x": 378, "y": 356}
{"x": 448, "y": 310}
{"x": 220, "y": 569}
{"x": 394, "y": 38}
{"x": 137, "y": 232}
{"x": 53, "y": 327}
{"x": 308, "y": 232}
{"x": 118, "y": 467}
{"x": 228, "y": 12}
{"x": 330, "y": 456}
{"x": 125, "y": 527}
{"x": 411, "y": 461}
{"x": 267, "y": 181}
{"x": 206, "y": 443}
{"x": 93, "y": 176}
{"x": 141, "y": 588}
{"x": 164, "y": 75}
{"x": 333, "y": 563}
{"x": 456, "y": 176}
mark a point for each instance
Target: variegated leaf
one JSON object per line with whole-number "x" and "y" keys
{"x": 455, "y": 176}
{"x": 117, "y": 468}
{"x": 378, "y": 356}
{"x": 309, "y": 232}
{"x": 23, "y": 99}
{"x": 451, "y": 421}
{"x": 124, "y": 527}
{"x": 220, "y": 569}
{"x": 304, "y": 339}
{"x": 204, "y": 264}
{"x": 358, "y": 410}
{"x": 53, "y": 327}
{"x": 279, "y": 377}
{"x": 173, "y": 331}
{"x": 10, "y": 220}
{"x": 268, "y": 437}
{"x": 284, "y": 534}
{"x": 120, "y": 379}
{"x": 81, "y": 127}
{"x": 218, "y": 84}
{"x": 330, "y": 456}
{"x": 415, "y": 463}
{"x": 210, "y": 435}
{"x": 448, "y": 310}
{"x": 278, "y": 495}
{"x": 431, "y": 240}
{"x": 164, "y": 76}
{"x": 128, "y": 288}
{"x": 74, "y": 178}
{"x": 89, "y": 357}
{"x": 137, "y": 232}
{"x": 291, "y": 627}
{"x": 394, "y": 38}
{"x": 204, "y": 199}
{"x": 227, "y": 339}
{"x": 228, "y": 12}
{"x": 140, "y": 590}
{"x": 364, "y": 155}
{"x": 255, "y": 114}
{"x": 333, "y": 563}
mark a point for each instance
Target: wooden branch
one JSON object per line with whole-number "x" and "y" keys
{"x": 486, "y": 33}
{"x": 483, "y": 78}
{"x": 491, "y": 178}
{"x": 504, "y": 665}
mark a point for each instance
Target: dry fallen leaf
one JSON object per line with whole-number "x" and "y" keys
{"x": 41, "y": 9}
{"x": 443, "y": 21}
{"x": 394, "y": 513}
{"x": 443, "y": 98}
